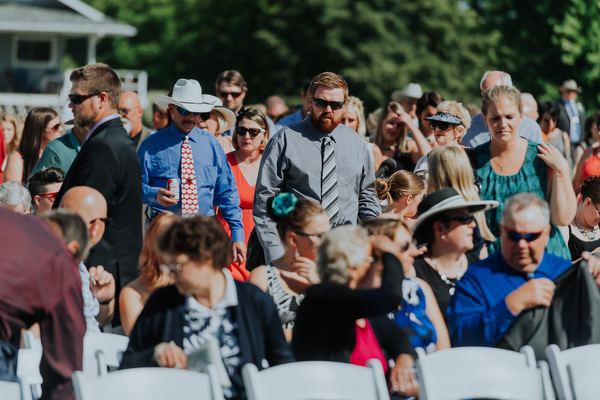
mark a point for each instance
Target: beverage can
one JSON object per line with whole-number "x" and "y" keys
{"x": 173, "y": 186}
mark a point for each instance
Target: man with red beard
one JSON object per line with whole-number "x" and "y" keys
{"x": 295, "y": 161}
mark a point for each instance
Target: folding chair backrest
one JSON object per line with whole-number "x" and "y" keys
{"x": 102, "y": 351}
{"x": 575, "y": 359}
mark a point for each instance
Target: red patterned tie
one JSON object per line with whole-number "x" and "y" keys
{"x": 189, "y": 192}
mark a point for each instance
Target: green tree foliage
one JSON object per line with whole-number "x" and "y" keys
{"x": 377, "y": 45}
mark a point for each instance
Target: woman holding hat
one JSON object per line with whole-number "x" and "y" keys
{"x": 249, "y": 141}
{"x": 446, "y": 224}
{"x": 509, "y": 164}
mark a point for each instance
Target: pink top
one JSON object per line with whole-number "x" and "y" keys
{"x": 367, "y": 347}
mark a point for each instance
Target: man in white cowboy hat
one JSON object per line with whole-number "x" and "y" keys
{"x": 408, "y": 98}
{"x": 195, "y": 159}
{"x": 493, "y": 293}
{"x": 572, "y": 113}
{"x": 479, "y": 133}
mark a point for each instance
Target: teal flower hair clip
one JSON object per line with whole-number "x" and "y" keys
{"x": 283, "y": 204}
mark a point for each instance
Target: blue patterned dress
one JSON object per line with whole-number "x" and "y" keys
{"x": 413, "y": 318}
{"x": 532, "y": 177}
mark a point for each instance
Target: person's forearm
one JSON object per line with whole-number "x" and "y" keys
{"x": 563, "y": 203}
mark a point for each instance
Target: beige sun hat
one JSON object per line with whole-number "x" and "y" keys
{"x": 187, "y": 93}
{"x": 413, "y": 90}
{"x": 570, "y": 84}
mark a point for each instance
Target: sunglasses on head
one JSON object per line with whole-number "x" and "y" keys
{"x": 335, "y": 105}
{"x": 241, "y": 131}
{"x": 442, "y": 125}
{"x": 463, "y": 219}
{"x": 516, "y": 237}
{"x": 80, "y": 98}
{"x": 235, "y": 95}
{"x": 184, "y": 111}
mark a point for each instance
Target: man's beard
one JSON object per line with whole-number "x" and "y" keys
{"x": 83, "y": 122}
{"x": 325, "y": 125}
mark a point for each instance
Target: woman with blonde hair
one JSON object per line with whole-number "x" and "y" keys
{"x": 354, "y": 118}
{"x": 11, "y": 134}
{"x": 403, "y": 192}
{"x": 449, "y": 166}
{"x": 135, "y": 294}
{"x": 391, "y": 137}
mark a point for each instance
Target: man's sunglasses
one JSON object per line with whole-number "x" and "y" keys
{"x": 50, "y": 196}
{"x": 516, "y": 237}
{"x": 184, "y": 111}
{"x": 235, "y": 95}
{"x": 463, "y": 219}
{"x": 80, "y": 98}
{"x": 442, "y": 125}
{"x": 335, "y": 105}
{"x": 241, "y": 131}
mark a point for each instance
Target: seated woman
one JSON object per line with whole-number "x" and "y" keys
{"x": 135, "y": 294}
{"x": 419, "y": 312}
{"x": 583, "y": 234}
{"x": 446, "y": 224}
{"x": 206, "y": 311}
{"x": 300, "y": 223}
{"x": 403, "y": 192}
{"x": 338, "y": 322}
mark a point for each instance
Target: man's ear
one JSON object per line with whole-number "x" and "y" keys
{"x": 73, "y": 246}
{"x": 36, "y": 200}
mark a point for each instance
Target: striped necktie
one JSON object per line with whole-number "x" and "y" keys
{"x": 329, "y": 189}
{"x": 189, "y": 191}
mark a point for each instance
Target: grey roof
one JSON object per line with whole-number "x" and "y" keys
{"x": 65, "y": 17}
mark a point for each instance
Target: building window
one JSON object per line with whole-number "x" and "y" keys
{"x": 34, "y": 52}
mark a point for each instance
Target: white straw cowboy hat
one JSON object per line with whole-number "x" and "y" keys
{"x": 413, "y": 90}
{"x": 570, "y": 84}
{"x": 187, "y": 93}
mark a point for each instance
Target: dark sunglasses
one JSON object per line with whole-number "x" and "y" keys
{"x": 335, "y": 105}
{"x": 241, "y": 131}
{"x": 463, "y": 219}
{"x": 442, "y": 125}
{"x": 51, "y": 196}
{"x": 235, "y": 95}
{"x": 406, "y": 245}
{"x": 516, "y": 237}
{"x": 204, "y": 116}
{"x": 105, "y": 220}
{"x": 80, "y": 98}
{"x": 184, "y": 111}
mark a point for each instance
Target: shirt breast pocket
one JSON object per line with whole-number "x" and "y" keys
{"x": 206, "y": 176}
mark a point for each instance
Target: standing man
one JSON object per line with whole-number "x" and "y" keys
{"x": 479, "y": 133}
{"x": 318, "y": 159}
{"x": 572, "y": 113}
{"x": 130, "y": 107}
{"x": 108, "y": 163}
{"x": 302, "y": 111}
{"x": 196, "y": 159}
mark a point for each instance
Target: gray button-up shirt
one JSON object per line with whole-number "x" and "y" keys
{"x": 292, "y": 163}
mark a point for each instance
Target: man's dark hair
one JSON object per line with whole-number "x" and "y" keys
{"x": 39, "y": 180}
{"x": 72, "y": 228}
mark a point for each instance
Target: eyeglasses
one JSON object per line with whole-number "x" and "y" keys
{"x": 80, "y": 98}
{"x": 516, "y": 237}
{"x": 184, "y": 111}
{"x": 225, "y": 95}
{"x": 335, "y": 105}
{"x": 433, "y": 125}
{"x": 241, "y": 131}
{"x": 50, "y": 196}
{"x": 167, "y": 268}
{"x": 105, "y": 220}
{"x": 204, "y": 116}
{"x": 311, "y": 235}
{"x": 596, "y": 207}
{"x": 463, "y": 219}
{"x": 55, "y": 128}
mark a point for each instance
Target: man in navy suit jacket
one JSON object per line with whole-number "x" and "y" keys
{"x": 108, "y": 163}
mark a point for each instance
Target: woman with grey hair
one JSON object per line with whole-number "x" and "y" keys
{"x": 339, "y": 322}
{"x": 15, "y": 197}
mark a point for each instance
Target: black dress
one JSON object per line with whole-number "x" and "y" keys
{"x": 578, "y": 246}
{"x": 441, "y": 290}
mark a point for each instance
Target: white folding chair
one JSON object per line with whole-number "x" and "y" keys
{"x": 28, "y": 367}
{"x": 316, "y": 380}
{"x": 10, "y": 390}
{"x": 574, "y": 371}
{"x": 481, "y": 372}
{"x": 148, "y": 384}
{"x": 102, "y": 351}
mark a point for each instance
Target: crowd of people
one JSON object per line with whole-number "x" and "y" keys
{"x": 216, "y": 236}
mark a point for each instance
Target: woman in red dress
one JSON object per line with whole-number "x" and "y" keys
{"x": 249, "y": 140}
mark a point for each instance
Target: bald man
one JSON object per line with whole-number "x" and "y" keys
{"x": 131, "y": 108}
{"x": 479, "y": 133}
{"x": 98, "y": 285}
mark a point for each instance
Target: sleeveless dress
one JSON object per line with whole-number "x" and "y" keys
{"x": 246, "y": 193}
{"x": 413, "y": 317}
{"x": 530, "y": 178}
{"x": 287, "y": 304}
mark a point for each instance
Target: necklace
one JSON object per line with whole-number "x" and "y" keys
{"x": 589, "y": 233}
{"x": 447, "y": 281}
{"x": 498, "y": 164}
